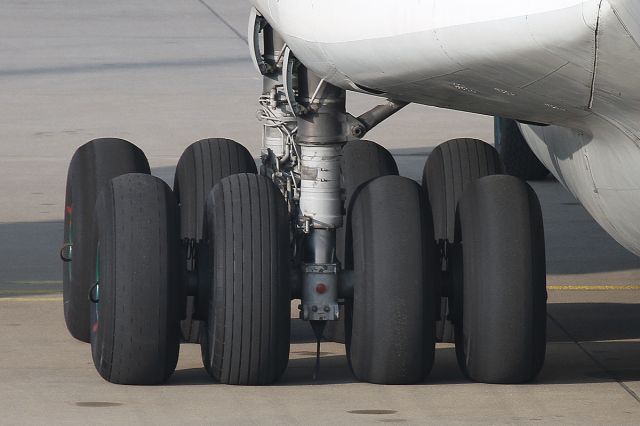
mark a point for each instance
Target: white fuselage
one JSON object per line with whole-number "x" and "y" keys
{"x": 569, "y": 63}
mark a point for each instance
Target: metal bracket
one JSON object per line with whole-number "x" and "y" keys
{"x": 66, "y": 252}
{"x": 288, "y": 68}
{"x": 320, "y": 292}
{"x": 95, "y": 289}
{"x": 360, "y": 126}
{"x": 256, "y": 24}
{"x": 355, "y": 129}
{"x": 191, "y": 253}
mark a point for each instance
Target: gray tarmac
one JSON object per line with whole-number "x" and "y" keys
{"x": 164, "y": 74}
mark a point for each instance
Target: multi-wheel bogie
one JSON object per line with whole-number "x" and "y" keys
{"x": 378, "y": 261}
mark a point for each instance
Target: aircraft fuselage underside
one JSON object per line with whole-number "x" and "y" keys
{"x": 571, "y": 64}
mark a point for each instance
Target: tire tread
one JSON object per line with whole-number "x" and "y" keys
{"x": 202, "y": 165}
{"x": 449, "y": 170}
{"x": 92, "y": 166}
{"x": 254, "y": 346}
{"x": 138, "y": 337}
{"x": 501, "y": 288}
{"x": 390, "y": 336}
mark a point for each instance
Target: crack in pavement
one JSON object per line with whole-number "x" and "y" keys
{"x": 224, "y": 21}
{"x": 603, "y": 367}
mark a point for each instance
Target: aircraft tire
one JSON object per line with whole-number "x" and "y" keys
{"x": 135, "y": 333}
{"x": 390, "y": 327}
{"x": 246, "y": 338}
{"x": 515, "y": 153}
{"x": 499, "y": 282}
{"x": 92, "y": 166}
{"x": 450, "y": 168}
{"x": 202, "y": 165}
{"x": 362, "y": 160}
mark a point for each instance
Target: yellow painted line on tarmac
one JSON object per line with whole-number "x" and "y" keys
{"x": 31, "y": 299}
{"x": 593, "y": 287}
{"x": 30, "y": 291}
{"x": 30, "y": 295}
{"x": 45, "y": 282}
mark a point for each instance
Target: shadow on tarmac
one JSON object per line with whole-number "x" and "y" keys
{"x": 584, "y": 322}
{"x": 595, "y": 322}
{"x": 563, "y": 366}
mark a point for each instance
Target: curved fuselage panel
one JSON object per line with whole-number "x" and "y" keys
{"x": 569, "y": 63}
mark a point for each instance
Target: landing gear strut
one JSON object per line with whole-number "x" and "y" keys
{"x": 306, "y": 127}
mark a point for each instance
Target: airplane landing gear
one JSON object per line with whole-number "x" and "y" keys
{"x": 326, "y": 220}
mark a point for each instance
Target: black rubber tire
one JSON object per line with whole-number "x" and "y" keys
{"x": 515, "y": 153}
{"x": 246, "y": 338}
{"x": 390, "y": 330}
{"x": 202, "y": 165}
{"x": 499, "y": 275}
{"x": 92, "y": 166}
{"x": 449, "y": 170}
{"x": 135, "y": 337}
{"x": 362, "y": 160}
